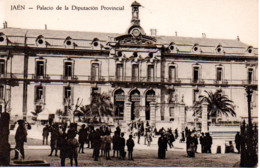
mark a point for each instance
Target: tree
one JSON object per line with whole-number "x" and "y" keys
{"x": 71, "y": 108}
{"x": 217, "y": 103}
{"x": 100, "y": 106}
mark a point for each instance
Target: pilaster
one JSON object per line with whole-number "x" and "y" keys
{"x": 204, "y": 120}
{"x": 182, "y": 116}
{"x": 127, "y": 113}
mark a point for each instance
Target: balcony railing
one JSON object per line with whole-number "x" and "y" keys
{"x": 86, "y": 78}
{"x": 40, "y": 77}
{"x": 199, "y": 81}
{"x": 74, "y": 77}
{"x": 171, "y": 80}
{"x": 224, "y": 82}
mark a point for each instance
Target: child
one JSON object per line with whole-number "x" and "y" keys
{"x": 130, "y": 147}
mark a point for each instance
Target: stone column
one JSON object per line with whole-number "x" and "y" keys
{"x": 127, "y": 113}
{"x": 182, "y": 116}
{"x": 152, "y": 113}
{"x": 204, "y": 120}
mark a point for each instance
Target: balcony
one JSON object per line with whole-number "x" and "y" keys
{"x": 96, "y": 78}
{"x": 6, "y": 75}
{"x": 177, "y": 80}
{"x": 223, "y": 82}
{"x": 249, "y": 82}
{"x": 70, "y": 78}
{"x": 40, "y": 77}
{"x": 197, "y": 81}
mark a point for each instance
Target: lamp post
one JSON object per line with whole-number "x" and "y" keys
{"x": 249, "y": 92}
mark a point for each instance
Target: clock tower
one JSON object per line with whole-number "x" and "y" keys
{"x": 135, "y": 13}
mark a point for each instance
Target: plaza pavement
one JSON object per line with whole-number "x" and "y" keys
{"x": 143, "y": 155}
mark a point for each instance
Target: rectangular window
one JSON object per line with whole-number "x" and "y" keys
{"x": 39, "y": 93}
{"x": 195, "y": 74}
{"x": 172, "y": 112}
{"x": 40, "y": 68}
{"x": 135, "y": 72}
{"x": 67, "y": 92}
{"x": 219, "y": 74}
{"x": 119, "y": 71}
{"x": 68, "y": 69}
{"x": 172, "y": 73}
{"x": 195, "y": 96}
{"x": 150, "y": 73}
{"x": 1, "y": 108}
{"x": 95, "y": 71}
{"x": 1, "y": 92}
{"x": 2, "y": 67}
{"x": 250, "y": 75}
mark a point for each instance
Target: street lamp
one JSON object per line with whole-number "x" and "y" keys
{"x": 249, "y": 92}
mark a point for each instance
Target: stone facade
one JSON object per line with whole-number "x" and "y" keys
{"x": 155, "y": 78}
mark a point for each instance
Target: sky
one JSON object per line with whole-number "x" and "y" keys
{"x": 225, "y": 19}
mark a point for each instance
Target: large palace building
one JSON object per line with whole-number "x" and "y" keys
{"x": 154, "y": 78}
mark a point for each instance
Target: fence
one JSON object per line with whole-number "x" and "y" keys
{"x": 249, "y": 145}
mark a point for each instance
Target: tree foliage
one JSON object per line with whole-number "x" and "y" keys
{"x": 217, "y": 103}
{"x": 100, "y": 105}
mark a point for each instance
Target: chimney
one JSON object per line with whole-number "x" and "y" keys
{"x": 153, "y": 32}
{"x": 45, "y": 26}
{"x": 238, "y": 39}
{"x": 176, "y": 34}
{"x": 204, "y": 35}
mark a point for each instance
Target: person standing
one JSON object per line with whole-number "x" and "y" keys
{"x": 182, "y": 137}
{"x": 238, "y": 141}
{"x": 108, "y": 141}
{"x": 190, "y": 145}
{"x": 82, "y": 138}
{"x": 122, "y": 146}
{"x": 138, "y": 135}
{"x": 208, "y": 143}
{"x": 196, "y": 142}
{"x": 96, "y": 144}
{"x": 149, "y": 138}
{"x": 162, "y": 144}
{"x": 63, "y": 147}
{"x": 130, "y": 147}
{"x": 54, "y": 139}
{"x": 202, "y": 143}
{"x": 176, "y": 133}
{"x": 73, "y": 145}
{"x": 115, "y": 141}
{"x": 20, "y": 138}
{"x": 45, "y": 134}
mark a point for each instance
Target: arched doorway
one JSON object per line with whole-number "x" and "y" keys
{"x": 149, "y": 97}
{"x": 119, "y": 99}
{"x": 135, "y": 106}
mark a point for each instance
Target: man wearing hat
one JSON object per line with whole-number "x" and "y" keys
{"x": 20, "y": 138}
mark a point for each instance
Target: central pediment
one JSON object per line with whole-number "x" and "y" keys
{"x": 132, "y": 39}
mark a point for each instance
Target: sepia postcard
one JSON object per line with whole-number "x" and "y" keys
{"x": 129, "y": 83}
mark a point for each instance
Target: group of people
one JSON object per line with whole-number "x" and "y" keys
{"x": 206, "y": 143}
{"x": 99, "y": 140}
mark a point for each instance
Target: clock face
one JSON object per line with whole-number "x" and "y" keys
{"x": 136, "y": 32}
